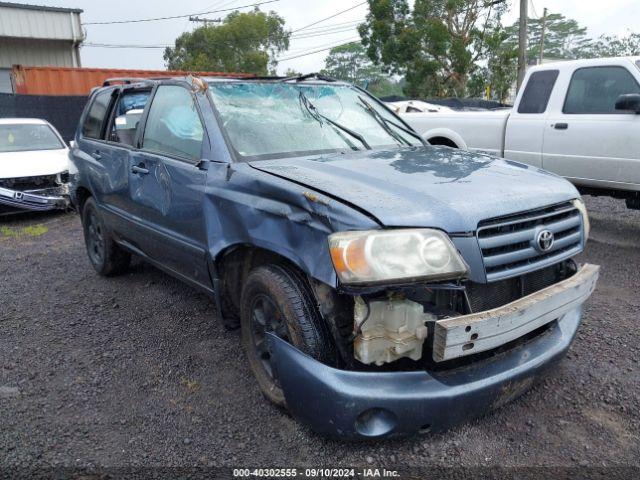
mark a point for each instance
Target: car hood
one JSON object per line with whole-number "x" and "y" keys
{"x": 33, "y": 163}
{"x": 435, "y": 187}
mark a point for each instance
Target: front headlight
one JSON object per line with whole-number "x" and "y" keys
{"x": 395, "y": 255}
{"x": 579, "y": 204}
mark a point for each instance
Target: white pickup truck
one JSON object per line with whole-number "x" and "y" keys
{"x": 579, "y": 119}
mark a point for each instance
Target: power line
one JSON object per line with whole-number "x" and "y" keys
{"x": 140, "y": 20}
{"x": 296, "y": 51}
{"x": 355, "y": 40}
{"x": 331, "y": 25}
{"x": 321, "y": 34}
{"x": 143, "y": 46}
{"x": 111, "y": 45}
{"x": 328, "y": 18}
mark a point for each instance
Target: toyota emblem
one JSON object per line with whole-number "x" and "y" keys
{"x": 544, "y": 240}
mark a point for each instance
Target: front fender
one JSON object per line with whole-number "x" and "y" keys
{"x": 244, "y": 206}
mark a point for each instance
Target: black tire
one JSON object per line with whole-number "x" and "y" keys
{"x": 106, "y": 257}
{"x": 229, "y": 312}
{"x": 295, "y": 318}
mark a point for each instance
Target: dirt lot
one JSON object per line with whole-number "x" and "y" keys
{"x": 136, "y": 371}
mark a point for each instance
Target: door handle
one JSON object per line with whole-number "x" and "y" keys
{"x": 97, "y": 155}
{"x": 139, "y": 169}
{"x": 561, "y": 126}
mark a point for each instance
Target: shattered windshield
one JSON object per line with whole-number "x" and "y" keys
{"x": 271, "y": 119}
{"x": 23, "y": 137}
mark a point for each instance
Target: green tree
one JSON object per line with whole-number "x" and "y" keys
{"x": 245, "y": 42}
{"x": 502, "y": 65}
{"x": 384, "y": 87}
{"x": 613, "y": 46}
{"x": 350, "y": 63}
{"x": 436, "y": 45}
{"x": 290, "y": 72}
{"x": 564, "y": 38}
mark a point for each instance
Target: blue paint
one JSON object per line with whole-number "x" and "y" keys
{"x": 183, "y": 214}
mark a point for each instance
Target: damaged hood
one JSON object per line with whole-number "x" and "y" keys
{"x": 435, "y": 187}
{"x": 33, "y": 163}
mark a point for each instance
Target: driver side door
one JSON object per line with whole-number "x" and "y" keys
{"x": 167, "y": 183}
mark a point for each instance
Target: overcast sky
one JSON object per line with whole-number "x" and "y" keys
{"x": 600, "y": 17}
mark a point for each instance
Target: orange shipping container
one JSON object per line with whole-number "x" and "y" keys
{"x": 80, "y": 81}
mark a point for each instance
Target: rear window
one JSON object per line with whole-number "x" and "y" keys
{"x": 537, "y": 92}
{"x": 26, "y": 137}
{"x": 94, "y": 121}
{"x": 128, "y": 113}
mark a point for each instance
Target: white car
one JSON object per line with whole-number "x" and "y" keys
{"x": 34, "y": 166}
{"x": 579, "y": 119}
{"x": 416, "y": 106}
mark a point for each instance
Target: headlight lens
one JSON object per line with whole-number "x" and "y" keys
{"x": 394, "y": 255}
{"x": 579, "y": 204}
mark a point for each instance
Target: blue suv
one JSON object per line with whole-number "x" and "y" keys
{"x": 383, "y": 286}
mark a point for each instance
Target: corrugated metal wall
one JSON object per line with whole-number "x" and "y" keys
{"x": 32, "y": 35}
{"x": 35, "y": 52}
{"x": 43, "y": 24}
{"x": 5, "y": 81}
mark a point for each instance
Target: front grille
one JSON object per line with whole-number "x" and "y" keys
{"x": 25, "y": 184}
{"x": 508, "y": 244}
{"x": 485, "y": 296}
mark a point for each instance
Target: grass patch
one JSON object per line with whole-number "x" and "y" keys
{"x": 30, "y": 231}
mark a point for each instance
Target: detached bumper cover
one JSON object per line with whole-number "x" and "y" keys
{"x": 36, "y": 200}
{"x": 364, "y": 405}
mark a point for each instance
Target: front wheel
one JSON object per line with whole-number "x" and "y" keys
{"x": 276, "y": 300}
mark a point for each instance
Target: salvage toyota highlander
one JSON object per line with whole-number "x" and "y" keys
{"x": 383, "y": 286}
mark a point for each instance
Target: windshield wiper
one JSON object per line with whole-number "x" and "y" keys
{"x": 384, "y": 123}
{"x": 313, "y": 111}
{"x": 301, "y": 78}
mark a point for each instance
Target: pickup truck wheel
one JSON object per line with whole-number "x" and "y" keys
{"x": 106, "y": 257}
{"x": 276, "y": 300}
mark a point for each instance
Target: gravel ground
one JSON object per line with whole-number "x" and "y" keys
{"x": 135, "y": 371}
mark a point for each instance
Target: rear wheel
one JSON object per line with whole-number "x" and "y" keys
{"x": 276, "y": 300}
{"x": 106, "y": 257}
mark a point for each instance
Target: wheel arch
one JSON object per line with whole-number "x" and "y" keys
{"x": 80, "y": 197}
{"x": 232, "y": 265}
{"x": 445, "y": 135}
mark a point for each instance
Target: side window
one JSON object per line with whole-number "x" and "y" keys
{"x": 537, "y": 92}
{"x": 94, "y": 121}
{"x": 127, "y": 115}
{"x": 595, "y": 89}
{"x": 173, "y": 126}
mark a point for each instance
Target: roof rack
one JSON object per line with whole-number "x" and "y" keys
{"x": 126, "y": 81}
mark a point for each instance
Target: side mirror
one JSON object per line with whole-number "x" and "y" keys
{"x": 629, "y": 102}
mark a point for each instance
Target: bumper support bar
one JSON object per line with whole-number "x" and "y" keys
{"x": 47, "y": 199}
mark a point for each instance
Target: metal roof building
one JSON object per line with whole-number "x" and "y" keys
{"x": 35, "y": 35}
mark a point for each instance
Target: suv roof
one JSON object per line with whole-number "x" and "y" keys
{"x": 214, "y": 79}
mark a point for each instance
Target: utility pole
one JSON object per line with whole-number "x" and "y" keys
{"x": 544, "y": 24}
{"x": 522, "y": 42}
{"x": 206, "y": 21}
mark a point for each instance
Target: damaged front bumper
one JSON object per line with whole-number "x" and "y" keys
{"x": 362, "y": 405}
{"x": 53, "y": 198}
